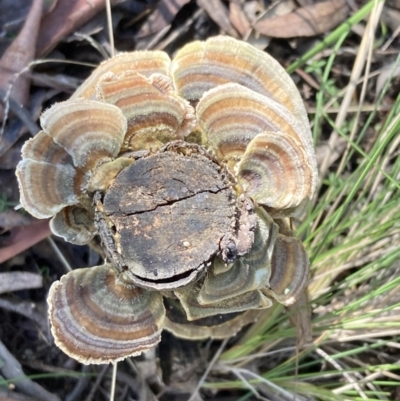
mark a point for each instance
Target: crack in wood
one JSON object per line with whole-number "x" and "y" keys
{"x": 166, "y": 216}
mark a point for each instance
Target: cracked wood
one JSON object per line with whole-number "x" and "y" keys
{"x": 166, "y": 216}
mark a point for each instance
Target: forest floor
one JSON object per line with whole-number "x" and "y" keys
{"x": 344, "y": 56}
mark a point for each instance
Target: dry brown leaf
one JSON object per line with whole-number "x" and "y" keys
{"x": 15, "y": 281}
{"x": 13, "y": 14}
{"x": 219, "y": 14}
{"x": 18, "y": 55}
{"x": 277, "y": 8}
{"x": 305, "y": 21}
{"x": 66, "y": 17}
{"x": 238, "y": 18}
{"x": 23, "y": 238}
{"x": 162, "y": 17}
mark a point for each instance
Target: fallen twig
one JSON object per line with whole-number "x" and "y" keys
{"x": 15, "y": 281}
{"x": 12, "y": 369}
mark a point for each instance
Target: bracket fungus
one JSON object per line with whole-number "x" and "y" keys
{"x": 190, "y": 171}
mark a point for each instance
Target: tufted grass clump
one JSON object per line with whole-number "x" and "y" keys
{"x": 351, "y": 233}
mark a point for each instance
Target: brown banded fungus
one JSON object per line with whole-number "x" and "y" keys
{"x": 190, "y": 172}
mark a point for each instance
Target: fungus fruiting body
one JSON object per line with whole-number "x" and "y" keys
{"x": 189, "y": 171}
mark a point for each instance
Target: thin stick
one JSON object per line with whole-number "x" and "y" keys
{"x": 110, "y": 27}
{"x": 338, "y": 367}
{"x": 96, "y": 383}
{"x": 113, "y": 381}
{"x": 56, "y": 249}
{"x": 284, "y": 393}
{"x": 248, "y": 384}
{"x": 12, "y": 369}
{"x": 208, "y": 370}
{"x": 23, "y": 114}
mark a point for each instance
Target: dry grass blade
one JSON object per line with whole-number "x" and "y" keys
{"x": 358, "y": 67}
{"x": 336, "y": 365}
